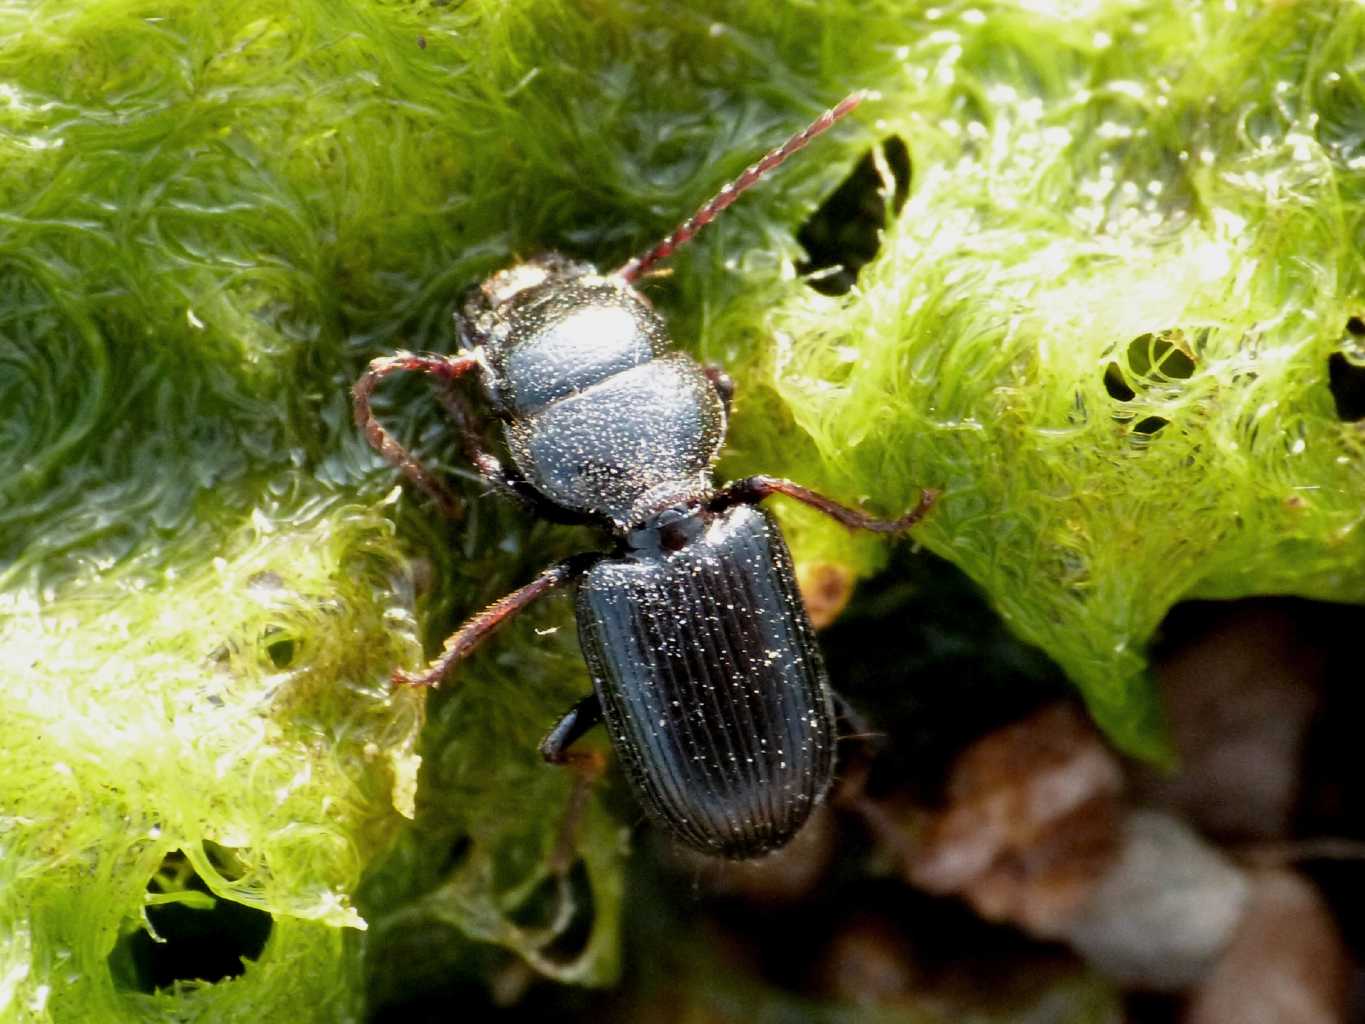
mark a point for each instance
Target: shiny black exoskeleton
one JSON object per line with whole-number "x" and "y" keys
{"x": 704, "y": 663}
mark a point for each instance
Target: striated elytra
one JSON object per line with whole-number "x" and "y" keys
{"x": 704, "y": 664}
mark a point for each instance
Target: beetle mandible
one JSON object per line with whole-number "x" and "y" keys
{"x": 703, "y": 660}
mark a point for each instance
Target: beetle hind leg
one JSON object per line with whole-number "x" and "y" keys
{"x": 588, "y": 766}
{"x": 577, "y": 721}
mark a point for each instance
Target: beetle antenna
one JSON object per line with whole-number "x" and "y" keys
{"x": 684, "y": 232}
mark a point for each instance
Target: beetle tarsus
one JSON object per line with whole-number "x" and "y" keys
{"x": 489, "y": 466}
{"x": 588, "y": 767}
{"x": 753, "y": 489}
{"x": 859, "y": 746}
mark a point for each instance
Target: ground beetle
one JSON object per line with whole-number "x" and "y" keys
{"x": 703, "y": 660}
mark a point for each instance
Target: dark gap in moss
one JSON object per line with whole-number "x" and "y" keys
{"x": 281, "y": 652}
{"x": 1150, "y": 425}
{"x": 1115, "y": 384}
{"x": 844, "y": 234}
{"x": 456, "y": 855}
{"x": 1158, "y": 356}
{"x": 1355, "y": 325}
{"x": 1346, "y": 380}
{"x": 224, "y": 860}
{"x": 198, "y": 942}
{"x": 445, "y": 977}
{"x": 923, "y": 658}
{"x": 538, "y": 910}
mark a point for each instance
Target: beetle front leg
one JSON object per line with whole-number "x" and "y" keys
{"x": 489, "y": 466}
{"x": 446, "y": 367}
{"x": 465, "y": 639}
{"x": 753, "y": 489}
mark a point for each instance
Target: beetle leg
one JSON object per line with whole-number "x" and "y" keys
{"x": 463, "y": 641}
{"x": 753, "y": 489}
{"x": 857, "y": 725}
{"x": 489, "y": 466}
{"x": 580, "y": 718}
{"x": 446, "y": 367}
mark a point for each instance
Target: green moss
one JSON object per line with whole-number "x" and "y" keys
{"x": 211, "y": 217}
{"x": 1097, "y": 200}
{"x": 234, "y": 710}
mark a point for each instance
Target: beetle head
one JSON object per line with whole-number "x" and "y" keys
{"x": 511, "y": 283}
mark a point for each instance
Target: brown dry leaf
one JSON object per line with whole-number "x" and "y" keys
{"x": 869, "y": 963}
{"x": 1031, "y": 824}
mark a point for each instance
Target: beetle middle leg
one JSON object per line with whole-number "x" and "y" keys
{"x": 463, "y": 641}
{"x": 445, "y": 367}
{"x": 753, "y": 489}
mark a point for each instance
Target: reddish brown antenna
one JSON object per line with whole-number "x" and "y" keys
{"x": 684, "y": 232}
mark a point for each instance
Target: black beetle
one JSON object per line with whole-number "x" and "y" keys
{"x": 703, "y": 660}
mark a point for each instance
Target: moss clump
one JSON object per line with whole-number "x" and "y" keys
{"x": 1107, "y": 322}
{"x": 232, "y": 718}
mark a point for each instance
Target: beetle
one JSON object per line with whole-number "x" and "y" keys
{"x": 703, "y": 660}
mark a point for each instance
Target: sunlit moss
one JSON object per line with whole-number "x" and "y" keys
{"x": 1126, "y": 186}
{"x": 234, "y": 712}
